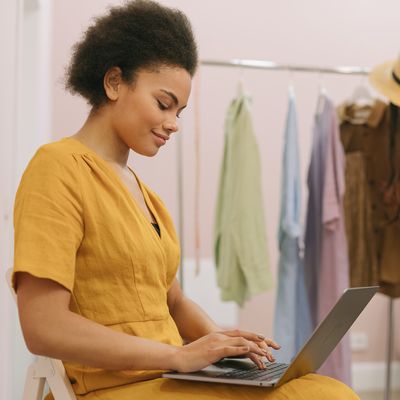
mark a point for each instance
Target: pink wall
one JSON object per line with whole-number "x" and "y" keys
{"x": 322, "y": 33}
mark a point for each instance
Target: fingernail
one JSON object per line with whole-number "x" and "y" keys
{"x": 261, "y": 337}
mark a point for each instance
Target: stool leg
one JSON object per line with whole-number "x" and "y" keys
{"x": 33, "y": 389}
{"x": 59, "y": 383}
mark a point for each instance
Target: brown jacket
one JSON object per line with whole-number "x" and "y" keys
{"x": 365, "y": 134}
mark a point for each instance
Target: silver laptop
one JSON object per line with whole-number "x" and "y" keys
{"x": 313, "y": 354}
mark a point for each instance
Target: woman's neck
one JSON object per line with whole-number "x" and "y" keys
{"x": 97, "y": 134}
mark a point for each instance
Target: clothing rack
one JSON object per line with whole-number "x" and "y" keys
{"x": 270, "y": 65}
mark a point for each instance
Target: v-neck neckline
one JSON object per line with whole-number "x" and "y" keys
{"x": 125, "y": 188}
{"x": 146, "y": 200}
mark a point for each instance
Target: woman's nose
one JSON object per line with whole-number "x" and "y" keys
{"x": 171, "y": 126}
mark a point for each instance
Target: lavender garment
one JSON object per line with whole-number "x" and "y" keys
{"x": 315, "y": 182}
{"x": 334, "y": 267}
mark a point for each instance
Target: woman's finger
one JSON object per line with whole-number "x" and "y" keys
{"x": 230, "y": 351}
{"x": 253, "y": 347}
{"x": 267, "y": 349}
{"x": 257, "y": 360}
{"x": 247, "y": 335}
{"x": 270, "y": 357}
{"x": 255, "y": 337}
{"x": 272, "y": 344}
{"x": 263, "y": 345}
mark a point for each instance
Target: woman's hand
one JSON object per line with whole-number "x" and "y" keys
{"x": 217, "y": 345}
{"x": 263, "y": 343}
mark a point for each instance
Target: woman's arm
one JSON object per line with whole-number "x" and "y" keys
{"x": 51, "y": 329}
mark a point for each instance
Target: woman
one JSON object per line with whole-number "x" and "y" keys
{"x": 96, "y": 252}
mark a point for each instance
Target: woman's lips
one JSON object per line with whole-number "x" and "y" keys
{"x": 161, "y": 139}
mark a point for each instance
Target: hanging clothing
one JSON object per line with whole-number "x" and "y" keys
{"x": 292, "y": 325}
{"x": 365, "y": 133}
{"x": 358, "y": 220}
{"x": 240, "y": 243}
{"x": 315, "y": 183}
{"x": 334, "y": 265}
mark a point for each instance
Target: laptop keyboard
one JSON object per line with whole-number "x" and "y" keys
{"x": 272, "y": 371}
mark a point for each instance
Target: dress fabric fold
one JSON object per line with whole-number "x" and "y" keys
{"x": 328, "y": 265}
{"x": 292, "y": 324}
{"x": 240, "y": 242}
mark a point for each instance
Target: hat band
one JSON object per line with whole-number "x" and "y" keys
{"x": 396, "y": 78}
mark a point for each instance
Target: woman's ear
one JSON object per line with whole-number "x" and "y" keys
{"x": 112, "y": 83}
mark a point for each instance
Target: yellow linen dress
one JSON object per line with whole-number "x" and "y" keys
{"x": 76, "y": 223}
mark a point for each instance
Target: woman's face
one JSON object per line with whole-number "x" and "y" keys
{"x": 145, "y": 113}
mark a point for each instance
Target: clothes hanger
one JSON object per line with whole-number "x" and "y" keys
{"x": 363, "y": 103}
{"x": 361, "y": 95}
{"x": 240, "y": 88}
{"x": 291, "y": 86}
{"x": 321, "y": 94}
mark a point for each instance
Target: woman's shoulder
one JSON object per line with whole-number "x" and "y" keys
{"x": 53, "y": 161}
{"x": 60, "y": 150}
{"x": 61, "y": 154}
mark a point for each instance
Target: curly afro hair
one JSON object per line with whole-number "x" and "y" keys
{"x": 137, "y": 35}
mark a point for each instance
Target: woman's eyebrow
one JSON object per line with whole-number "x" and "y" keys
{"x": 170, "y": 94}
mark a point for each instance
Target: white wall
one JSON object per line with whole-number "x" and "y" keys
{"x": 24, "y": 126}
{"x": 8, "y": 46}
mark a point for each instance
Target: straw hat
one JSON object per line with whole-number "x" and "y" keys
{"x": 386, "y": 80}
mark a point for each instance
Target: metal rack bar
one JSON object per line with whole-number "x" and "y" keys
{"x": 179, "y": 171}
{"x": 389, "y": 350}
{"x": 270, "y": 65}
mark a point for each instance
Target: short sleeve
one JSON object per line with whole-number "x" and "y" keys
{"x": 48, "y": 218}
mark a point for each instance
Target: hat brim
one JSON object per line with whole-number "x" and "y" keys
{"x": 382, "y": 79}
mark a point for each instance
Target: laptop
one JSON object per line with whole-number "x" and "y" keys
{"x": 312, "y": 355}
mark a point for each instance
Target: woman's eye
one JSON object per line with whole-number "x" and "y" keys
{"x": 161, "y": 105}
